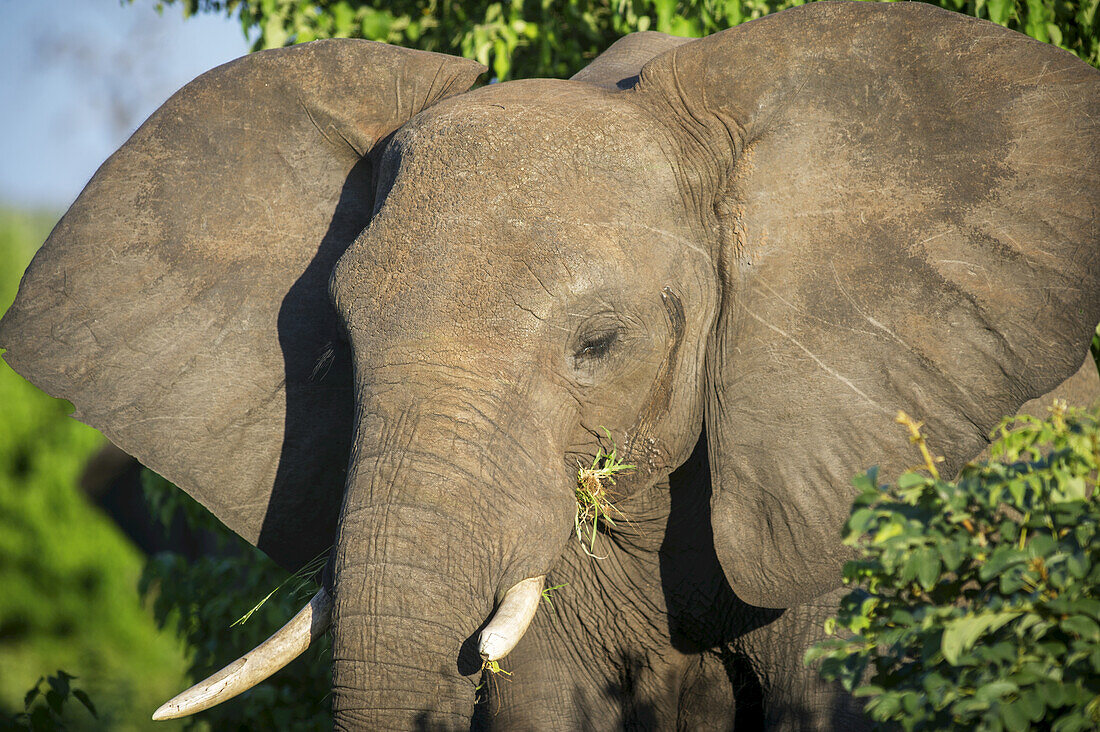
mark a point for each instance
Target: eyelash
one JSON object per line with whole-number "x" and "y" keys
{"x": 596, "y": 347}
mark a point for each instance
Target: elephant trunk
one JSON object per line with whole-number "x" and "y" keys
{"x": 427, "y": 544}
{"x": 401, "y": 616}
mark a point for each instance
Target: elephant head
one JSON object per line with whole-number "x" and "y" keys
{"x": 344, "y": 302}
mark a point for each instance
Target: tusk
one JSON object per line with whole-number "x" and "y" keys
{"x": 284, "y": 645}
{"x": 511, "y": 619}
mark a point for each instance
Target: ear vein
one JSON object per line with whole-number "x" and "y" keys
{"x": 824, "y": 366}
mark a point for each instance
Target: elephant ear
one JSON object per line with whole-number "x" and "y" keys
{"x": 618, "y": 67}
{"x": 181, "y": 303}
{"x": 905, "y": 206}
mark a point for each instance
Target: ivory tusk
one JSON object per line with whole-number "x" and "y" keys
{"x": 511, "y": 619}
{"x": 284, "y": 645}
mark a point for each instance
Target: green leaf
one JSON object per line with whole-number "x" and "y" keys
{"x": 54, "y": 701}
{"x": 1054, "y": 693}
{"x": 1083, "y": 626}
{"x": 1018, "y": 489}
{"x": 994, "y": 690}
{"x": 1001, "y": 10}
{"x": 928, "y": 567}
{"x": 882, "y": 708}
{"x": 33, "y": 693}
{"x": 859, "y": 520}
{"x": 1077, "y": 565}
{"x": 1015, "y": 720}
{"x": 960, "y": 634}
{"x": 82, "y": 696}
{"x": 1031, "y": 703}
{"x": 892, "y": 529}
{"x": 1010, "y": 582}
{"x": 969, "y": 706}
{"x": 866, "y": 484}
{"x": 1041, "y": 545}
{"x": 1072, "y": 488}
{"x": 60, "y": 683}
{"x": 1055, "y": 33}
{"x": 911, "y": 480}
{"x": 1002, "y": 558}
{"x": 1071, "y": 723}
{"x": 376, "y": 24}
{"x": 951, "y": 555}
{"x": 1088, "y": 606}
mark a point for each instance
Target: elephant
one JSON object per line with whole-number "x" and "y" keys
{"x": 360, "y": 309}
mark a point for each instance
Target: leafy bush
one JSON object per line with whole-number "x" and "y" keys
{"x": 44, "y": 704}
{"x": 976, "y": 603}
{"x": 539, "y": 38}
{"x": 204, "y": 600}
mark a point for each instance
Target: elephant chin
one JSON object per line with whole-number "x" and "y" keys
{"x": 506, "y": 628}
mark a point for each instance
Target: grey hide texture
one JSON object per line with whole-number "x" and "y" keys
{"x": 906, "y": 201}
{"x": 182, "y": 303}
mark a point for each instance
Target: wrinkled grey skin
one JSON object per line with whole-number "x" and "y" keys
{"x": 347, "y": 305}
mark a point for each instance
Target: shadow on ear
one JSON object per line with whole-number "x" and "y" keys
{"x": 181, "y": 303}
{"x": 904, "y": 203}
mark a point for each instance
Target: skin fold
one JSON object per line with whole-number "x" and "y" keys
{"x": 355, "y": 308}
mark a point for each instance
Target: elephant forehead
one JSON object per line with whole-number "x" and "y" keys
{"x": 564, "y": 146}
{"x": 496, "y": 274}
{"x": 510, "y": 198}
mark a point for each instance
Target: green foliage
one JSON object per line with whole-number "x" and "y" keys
{"x": 548, "y": 591}
{"x": 67, "y": 574}
{"x": 542, "y": 38}
{"x": 976, "y": 602}
{"x": 44, "y": 704}
{"x": 594, "y": 496}
{"x": 204, "y": 601}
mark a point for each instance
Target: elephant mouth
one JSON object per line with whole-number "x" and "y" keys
{"x": 504, "y": 630}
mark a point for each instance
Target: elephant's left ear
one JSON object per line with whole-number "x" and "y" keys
{"x": 618, "y": 67}
{"x": 182, "y": 302}
{"x": 904, "y": 203}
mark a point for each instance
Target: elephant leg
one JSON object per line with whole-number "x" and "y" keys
{"x": 796, "y": 697}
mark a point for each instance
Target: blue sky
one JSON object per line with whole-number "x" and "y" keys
{"x": 77, "y": 77}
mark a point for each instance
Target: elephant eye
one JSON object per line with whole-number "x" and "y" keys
{"x": 595, "y": 346}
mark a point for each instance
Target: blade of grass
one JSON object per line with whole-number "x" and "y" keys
{"x": 302, "y": 577}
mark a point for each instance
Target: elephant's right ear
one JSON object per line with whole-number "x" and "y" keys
{"x": 904, "y": 206}
{"x": 181, "y": 304}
